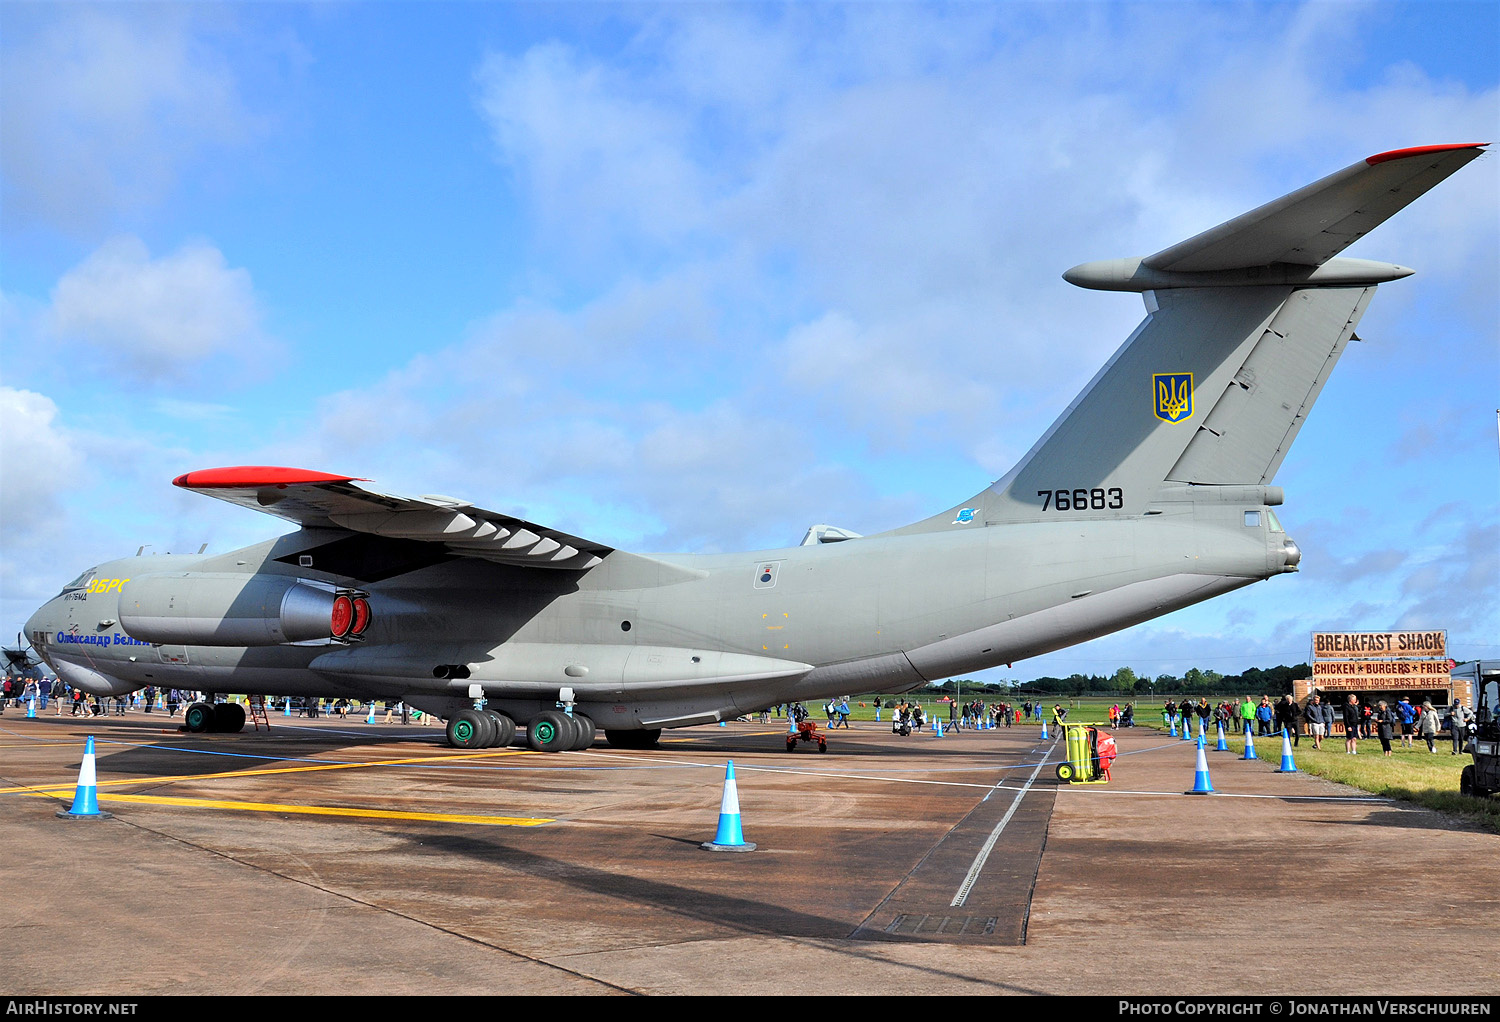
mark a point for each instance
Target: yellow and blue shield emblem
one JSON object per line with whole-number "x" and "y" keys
{"x": 1174, "y": 395}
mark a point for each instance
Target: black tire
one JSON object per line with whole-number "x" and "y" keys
{"x": 620, "y": 738}
{"x": 550, "y": 731}
{"x": 587, "y": 732}
{"x": 1467, "y": 785}
{"x": 466, "y": 730}
{"x": 791, "y": 745}
{"x": 822, "y": 746}
{"x": 198, "y": 718}
{"x": 229, "y": 718}
{"x": 505, "y": 730}
{"x": 491, "y": 729}
{"x": 1065, "y": 772}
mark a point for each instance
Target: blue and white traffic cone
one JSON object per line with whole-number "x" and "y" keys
{"x": 1187, "y": 729}
{"x": 86, "y": 797}
{"x": 288, "y": 704}
{"x": 791, "y": 723}
{"x": 31, "y": 709}
{"x": 1223, "y": 745}
{"x": 1288, "y": 765}
{"x": 1201, "y": 784}
{"x": 730, "y": 838}
{"x": 1044, "y": 729}
{"x": 722, "y": 724}
{"x": 1172, "y": 726}
{"x": 937, "y": 727}
{"x": 1249, "y": 745}
{"x": 370, "y": 717}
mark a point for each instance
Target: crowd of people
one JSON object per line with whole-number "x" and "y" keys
{"x": 1318, "y": 718}
{"x": 1382, "y": 720}
{"x": 40, "y": 693}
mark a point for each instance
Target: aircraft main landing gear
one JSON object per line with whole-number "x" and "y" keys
{"x": 220, "y": 718}
{"x": 480, "y": 729}
{"x": 551, "y": 731}
{"x": 640, "y": 739}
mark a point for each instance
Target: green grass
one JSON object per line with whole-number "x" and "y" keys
{"x": 1092, "y": 710}
{"x": 1411, "y": 775}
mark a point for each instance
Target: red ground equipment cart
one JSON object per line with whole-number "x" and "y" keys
{"x": 807, "y": 731}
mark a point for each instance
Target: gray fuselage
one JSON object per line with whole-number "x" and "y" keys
{"x": 723, "y": 635}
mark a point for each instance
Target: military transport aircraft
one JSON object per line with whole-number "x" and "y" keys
{"x": 1151, "y": 492}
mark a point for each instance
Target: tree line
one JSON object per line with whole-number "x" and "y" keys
{"x": 1272, "y": 681}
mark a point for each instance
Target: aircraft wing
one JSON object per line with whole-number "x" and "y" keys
{"x": 1313, "y": 224}
{"x": 321, "y": 500}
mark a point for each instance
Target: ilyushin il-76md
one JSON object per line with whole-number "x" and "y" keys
{"x": 1151, "y": 492}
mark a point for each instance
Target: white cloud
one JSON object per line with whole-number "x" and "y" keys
{"x": 158, "y": 316}
{"x": 38, "y": 461}
{"x": 901, "y": 188}
{"x": 597, "y": 160}
{"x": 802, "y": 263}
{"x": 100, "y": 108}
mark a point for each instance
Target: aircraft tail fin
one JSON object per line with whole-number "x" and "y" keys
{"x": 1244, "y": 324}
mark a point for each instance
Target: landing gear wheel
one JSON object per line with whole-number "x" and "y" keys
{"x": 1065, "y": 772}
{"x": 505, "y": 730}
{"x": 586, "y": 732}
{"x": 229, "y": 718}
{"x": 489, "y": 730}
{"x": 198, "y": 718}
{"x": 550, "y": 731}
{"x": 466, "y": 730}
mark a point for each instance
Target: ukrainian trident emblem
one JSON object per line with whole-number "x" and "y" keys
{"x": 1174, "y": 396}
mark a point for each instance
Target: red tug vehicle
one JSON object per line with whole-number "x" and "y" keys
{"x": 807, "y": 731}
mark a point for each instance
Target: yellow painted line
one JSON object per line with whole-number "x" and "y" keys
{"x": 266, "y": 771}
{"x": 279, "y": 807}
{"x": 40, "y": 745}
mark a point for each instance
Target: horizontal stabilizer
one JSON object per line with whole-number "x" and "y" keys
{"x": 1294, "y": 239}
{"x": 1317, "y": 222}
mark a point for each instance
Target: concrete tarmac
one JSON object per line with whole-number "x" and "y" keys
{"x": 331, "y": 857}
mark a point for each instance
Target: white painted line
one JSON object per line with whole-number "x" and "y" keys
{"x": 1224, "y": 794}
{"x": 984, "y": 853}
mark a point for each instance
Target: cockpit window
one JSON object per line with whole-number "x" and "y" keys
{"x": 80, "y": 581}
{"x": 1273, "y": 521}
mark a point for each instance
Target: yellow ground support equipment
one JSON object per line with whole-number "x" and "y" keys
{"x": 1090, "y": 753}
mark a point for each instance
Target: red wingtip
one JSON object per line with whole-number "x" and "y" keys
{"x": 251, "y": 477}
{"x": 1421, "y": 150}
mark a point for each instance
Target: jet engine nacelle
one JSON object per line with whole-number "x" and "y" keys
{"x": 205, "y": 609}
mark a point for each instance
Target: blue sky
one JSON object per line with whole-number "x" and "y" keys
{"x": 694, "y": 276}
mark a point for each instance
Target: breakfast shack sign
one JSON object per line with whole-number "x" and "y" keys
{"x": 1389, "y": 661}
{"x": 1367, "y": 645}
